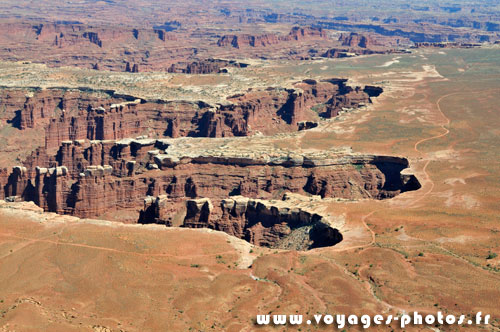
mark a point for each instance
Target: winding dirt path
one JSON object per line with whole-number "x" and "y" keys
{"x": 424, "y": 170}
{"x": 363, "y": 218}
{"x": 445, "y": 133}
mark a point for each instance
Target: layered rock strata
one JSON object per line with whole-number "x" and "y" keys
{"x": 74, "y": 114}
{"x": 115, "y": 48}
{"x": 92, "y": 178}
{"x": 90, "y": 167}
{"x": 274, "y": 224}
{"x": 268, "y": 39}
{"x": 208, "y": 66}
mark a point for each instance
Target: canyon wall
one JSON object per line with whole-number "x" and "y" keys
{"x": 208, "y": 66}
{"x": 102, "y": 47}
{"x": 268, "y": 39}
{"x": 91, "y": 166}
{"x": 74, "y": 114}
{"x": 271, "y": 224}
{"x": 91, "y": 178}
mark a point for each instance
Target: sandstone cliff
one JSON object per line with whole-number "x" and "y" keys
{"x": 90, "y": 178}
{"x": 269, "y": 39}
{"x": 94, "y": 47}
{"x": 208, "y": 66}
{"x": 91, "y": 166}
{"x": 74, "y": 114}
{"x": 274, "y": 224}
{"x": 356, "y": 40}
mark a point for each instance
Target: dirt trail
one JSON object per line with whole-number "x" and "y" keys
{"x": 424, "y": 170}
{"x": 62, "y": 243}
{"x": 368, "y": 285}
{"x": 446, "y": 132}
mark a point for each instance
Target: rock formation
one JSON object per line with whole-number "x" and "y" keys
{"x": 91, "y": 166}
{"x": 273, "y": 224}
{"x": 238, "y": 41}
{"x": 73, "y": 114}
{"x": 89, "y": 178}
{"x": 208, "y": 66}
{"x": 447, "y": 45}
{"x": 356, "y": 40}
{"x": 300, "y": 33}
{"x": 94, "y": 47}
{"x": 268, "y": 39}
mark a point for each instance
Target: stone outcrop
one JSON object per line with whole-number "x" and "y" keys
{"x": 354, "y": 44}
{"x": 89, "y": 178}
{"x": 198, "y": 213}
{"x": 53, "y": 187}
{"x": 12, "y": 101}
{"x": 91, "y": 167}
{"x": 131, "y": 68}
{"x": 75, "y": 114}
{"x": 274, "y": 224}
{"x": 103, "y": 47}
{"x": 446, "y": 45}
{"x": 42, "y": 105}
{"x": 304, "y": 125}
{"x": 415, "y": 32}
{"x": 17, "y": 183}
{"x": 208, "y": 66}
{"x": 269, "y": 39}
{"x": 301, "y": 33}
{"x": 239, "y": 41}
{"x": 344, "y": 52}
{"x": 159, "y": 210}
{"x": 354, "y": 39}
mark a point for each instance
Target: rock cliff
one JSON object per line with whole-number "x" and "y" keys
{"x": 208, "y": 66}
{"x": 74, "y": 114}
{"x": 274, "y": 224}
{"x": 356, "y": 40}
{"x": 91, "y": 178}
{"x": 101, "y": 47}
{"x": 269, "y": 39}
{"x": 91, "y": 166}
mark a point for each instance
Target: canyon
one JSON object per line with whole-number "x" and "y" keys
{"x": 296, "y": 34}
{"x": 118, "y": 48}
{"x": 184, "y": 166}
{"x": 75, "y": 114}
{"x": 188, "y": 42}
{"x": 115, "y": 156}
{"x": 155, "y": 181}
{"x": 158, "y": 48}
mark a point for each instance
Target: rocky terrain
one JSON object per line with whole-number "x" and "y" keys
{"x": 168, "y": 36}
{"x": 175, "y": 166}
{"x": 93, "y": 178}
{"x": 296, "y": 34}
{"x": 178, "y": 49}
{"x": 124, "y": 49}
{"x": 273, "y": 224}
{"x": 208, "y": 66}
{"x": 76, "y": 114}
{"x": 94, "y": 164}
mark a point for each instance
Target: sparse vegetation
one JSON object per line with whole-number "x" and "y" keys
{"x": 452, "y": 225}
{"x": 491, "y": 255}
